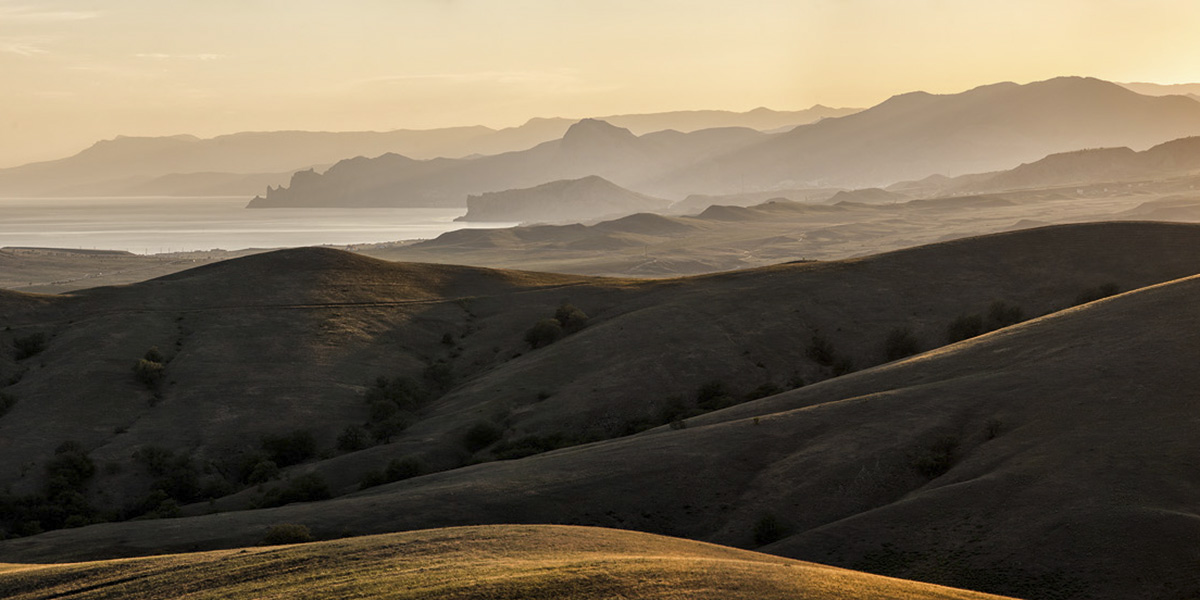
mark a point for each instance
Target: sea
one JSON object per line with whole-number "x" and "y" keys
{"x": 154, "y": 225}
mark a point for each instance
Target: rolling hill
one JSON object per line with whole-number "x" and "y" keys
{"x": 470, "y": 562}
{"x": 940, "y": 467}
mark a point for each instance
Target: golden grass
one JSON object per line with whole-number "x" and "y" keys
{"x": 494, "y": 562}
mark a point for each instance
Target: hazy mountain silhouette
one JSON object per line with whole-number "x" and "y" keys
{"x": 137, "y": 165}
{"x": 915, "y": 135}
{"x": 1176, "y": 158}
{"x": 572, "y": 200}
{"x": 906, "y": 137}
{"x": 589, "y": 147}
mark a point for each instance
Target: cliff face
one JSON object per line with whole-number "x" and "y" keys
{"x": 571, "y": 200}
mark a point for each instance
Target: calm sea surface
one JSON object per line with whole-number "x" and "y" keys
{"x": 153, "y": 225}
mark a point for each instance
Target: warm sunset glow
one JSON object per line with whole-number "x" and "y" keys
{"x": 75, "y": 71}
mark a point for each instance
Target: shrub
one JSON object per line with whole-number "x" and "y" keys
{"x": 543, "y": 333}
{"x": 262, "y": 471}
{"x": 153, "y": 355}
{"x": 570, "y": 318}
{"x": 764, "y": 390}
{"x": 371, "y": 479}
{"x": 404, "y": 392}
{"x": 287, "y": 533}
{"x": 404, "y": 468}
{"x": 70, "y": 468}
{"x": 29, "y": 345}
{"x": 900, "y": 343}
{"x": 820, "y": 350}
{"x": 1001, "y": 314}
{"x": 353, "y": 438}
{"x": 7, "y": 401}
{"x": 768, "y": 529}
{"x": 480, "y": 436}
{"x": 309, "y": 487}
{"x": 529, "y": 445}
{"x": 964, "y": 327}
{"x": 842, "y": 366}
{"x": 440, "y": 375}
{"x": 290, "y": 449}
{"x": 384, "y": 431}
{"x": 713, "y": 395}
{"x": 149, "y": 373}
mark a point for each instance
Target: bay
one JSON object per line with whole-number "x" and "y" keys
{"x": 151, "y": 225}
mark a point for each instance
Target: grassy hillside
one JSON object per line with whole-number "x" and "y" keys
{"x": 470, "y": 562}
{"x": 940, "y": 467}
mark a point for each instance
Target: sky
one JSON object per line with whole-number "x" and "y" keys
{"x": 76, "y": 71}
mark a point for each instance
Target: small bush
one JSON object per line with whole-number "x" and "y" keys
{"x": 529, "y": 445}
{"x": 900, "y": 343}
{"x": 287, "y": 533}
{"x": 764, "y": 390}
{"x": 290, "y": 449}
{"x": 570, "y": 318}
{"x": 964, "y": 327}
{"x": 1002, "y": 314}
{"x": 262, "y": 471}
{"x": 480, "y": 436}
{"x": 153, "y": 355}
{"x": 372, "y": 479}
{"x": 404, "y": 468}
{"x": 820, "y": 351}
{"x": 149, "y": 373}
{"x": 404, "y": 392}
{"x": 842, "y": 366}
{"x": 440, "y": 376}
{"x": 353, "y": 438}
{"x": 544, "y": 333}
{"x": 769, "y": 529}
{"x": 30, "y": 345}
{"x": 714, "y": 395}
{"x": 309, "y": 487}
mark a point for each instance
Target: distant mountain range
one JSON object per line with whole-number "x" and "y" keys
{"x": 909, "y": 136}
{"x": 916, "y": 135}
{"x": 589, "y": 147}
{"x": 246, "y": 163}
{"x": 1176, "y": 158}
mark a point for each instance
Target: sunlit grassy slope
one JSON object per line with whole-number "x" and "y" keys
{"x": 466, "y": 562}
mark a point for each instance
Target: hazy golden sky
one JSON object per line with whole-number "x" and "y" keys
{"x": 75, "y": 71}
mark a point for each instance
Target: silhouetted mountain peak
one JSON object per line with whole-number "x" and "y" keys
{"x": 589, "y": 133}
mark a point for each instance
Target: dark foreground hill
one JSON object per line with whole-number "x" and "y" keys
{"x": 516, "y": 562}
{"x": 999, "y": 464}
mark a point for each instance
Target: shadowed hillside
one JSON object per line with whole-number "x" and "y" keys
{"x": 299, "y": 375}
{"x": 1070, "y": 430}
{"x": 493, "y": 562}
